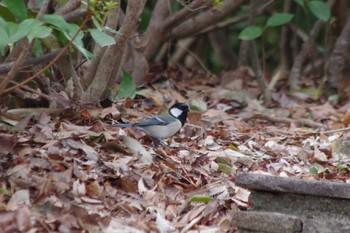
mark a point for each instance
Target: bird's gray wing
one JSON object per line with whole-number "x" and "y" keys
{"x": 159, "y": 120}
{"x": 122, "y": 125}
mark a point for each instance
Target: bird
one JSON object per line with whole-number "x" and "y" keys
{"x": 164, "y": 125}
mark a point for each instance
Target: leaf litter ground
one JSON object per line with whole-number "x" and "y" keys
{"x": 74, "y": 173}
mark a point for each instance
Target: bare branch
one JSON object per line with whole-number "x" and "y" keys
{"x": 111, "y": 22}
{"x": 4, "y": 68}
{"x": 50, "y": 64}
{"x": 200, "y": 21}
{"x": 157, "y": 32}
{"x": 340, "y": 58}
{"x": 113, "y": 56}
{"x": 70, "y": 6}
{"x": 221, "y": 46}
{"x": 17, "y": 64}
{"x": 43, "y": 10}
{"x": 304, "y": 52}
{"x": 244, "y": 47}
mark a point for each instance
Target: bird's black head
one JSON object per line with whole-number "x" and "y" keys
{"x": 179, "y": 111}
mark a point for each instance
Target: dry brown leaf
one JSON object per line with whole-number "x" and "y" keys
{"x": 90, "y": 152}
{"x": 137, "y": 150}
{"x": 19, "y": 198}
{"x": 15, "y": 221}
{"x": 112, "y": 111}
{"x": 7, "y": 143}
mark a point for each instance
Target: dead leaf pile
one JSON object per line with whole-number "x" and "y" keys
{"x": 75, "y": 173}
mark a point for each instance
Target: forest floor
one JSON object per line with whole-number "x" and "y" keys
{"x": 72, "y": 172}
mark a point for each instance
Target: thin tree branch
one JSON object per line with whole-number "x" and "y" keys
{"x": 15, "y": 66}
{"x": 43, "y": 10}
{"x": 4, "y": 68}
{"x": 304, "y": 52}
{"x": 244, "y": 47}
{"x": 340, "y": 58}
{"x": 158, "y": 33}
{"x": 65, "y": 48}
{"x": 22, "y": 56}
{"x": 222, "y": 48}
{"x": 113, "y": 56}
{"x": 68, "y": 7}
{"x": 201, "y": 21}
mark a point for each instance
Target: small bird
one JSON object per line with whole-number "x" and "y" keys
{"x": 162, "y": 126}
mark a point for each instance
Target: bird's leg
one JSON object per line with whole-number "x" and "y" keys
{"x": 158, "y": 142}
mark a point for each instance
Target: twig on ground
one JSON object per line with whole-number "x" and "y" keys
{"x": 336, "y": 130}
{"x": 304, "y": 122}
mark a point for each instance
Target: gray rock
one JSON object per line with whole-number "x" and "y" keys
{"x": 325, "y": 226}
{"x": 266, "y": 222}
{"x": 292, "y": 185}
{"x": 292, "y": 205}
{"x": 303, "y": 206}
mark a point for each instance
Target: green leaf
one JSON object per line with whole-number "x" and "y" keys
{"x": 301, "y": 3}
{"x": 38, "y": 31}
{"x": 2, "y": 22}
{"x": 334, "y": 99}
{"x": 313, "y": 170}
{"x": 96, "y": 23}
{"x": 30, "y": 28}
{"x": 199, "y": 105}
{"x": 279, "y": 19}
{"x": 222, "y": 160}
{"x": 320, "y": 10}
{"x": 69, "y": 30}
{"x": 56, "y": 20}
{"x": 225, "y": 168}
{"x": 6, "y": 13}
{"x": 3, "y": 40}
{"x": 11, "y": 28}
{"x": 127, "y": 88}
{"x": 18, "y": 8}
{"x": 312, "y": 92}
{"x": 201, "y": 199}
{"x": 101, "y": 38}
{"x": 37, "y": 48}
{"x": 250, "y": 33}
{"x": 343, "y": 166}
{"x": 20, "y": 31}
{"x": 78, "y": 41}
{"x": 5, "y": 192}
{"x": 145, "y": 18}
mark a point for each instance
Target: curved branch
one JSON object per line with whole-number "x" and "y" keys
{"x": 4, "y": 68}
{"x": 69, "y": 7}
{"x": 340, "y": 58}
{"x": 304, "y": 52}
{"x": 199, "y": 22}
{"x": 155, "y": 28}
{"x": 157, "y": 34}
{"x": 111, "y": 22}
{"x": 113, "y": 56}
{"x": 87, "y": 18}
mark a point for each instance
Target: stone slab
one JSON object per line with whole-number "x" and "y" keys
{"x": 255, "y": 181}
{"x": 249, "y": 231}
{"x": 303, "y": 206}
{"x": 322, "y": 226}
{"x": 266, "y": 222}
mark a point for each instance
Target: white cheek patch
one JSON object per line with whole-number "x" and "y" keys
{"x": 175, "y": 112}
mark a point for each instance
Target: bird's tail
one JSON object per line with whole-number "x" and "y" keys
{"x": 122, "y": 125}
